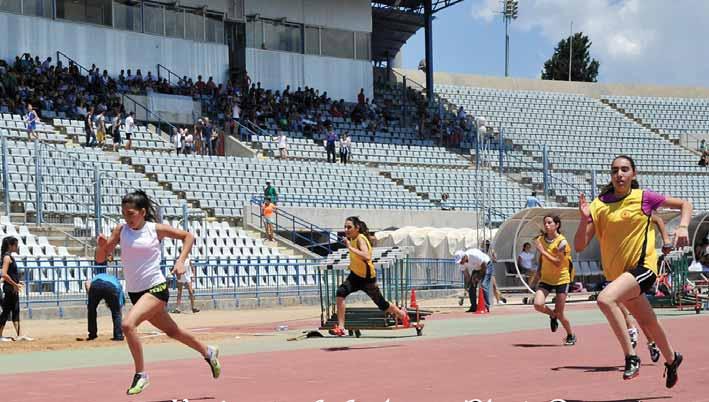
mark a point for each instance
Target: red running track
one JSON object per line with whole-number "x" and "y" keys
{"x": 515, "y": 367}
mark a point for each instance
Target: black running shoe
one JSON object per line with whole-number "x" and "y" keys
{"x": 654, "y": 352}
{"x": 671, "y": 371}
{"x": 570, "y": 340}
{"x": 632, "y": 367}
{"x": 553, "y": 324}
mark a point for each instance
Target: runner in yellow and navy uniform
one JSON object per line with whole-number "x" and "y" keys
{"x": 621, "y": 220}
{"x": 554, "y": 274}
{"x": 362, "y": 275}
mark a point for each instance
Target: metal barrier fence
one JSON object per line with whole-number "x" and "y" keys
{"x": 61, "y": 282}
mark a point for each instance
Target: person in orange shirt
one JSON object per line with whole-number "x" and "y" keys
{"x": 362, "y": 276}
{"x": 621, "y": 219}
{"x": 268, "y": 209}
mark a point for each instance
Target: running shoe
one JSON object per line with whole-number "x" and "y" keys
{"x": 213, "y": 361}
{"x": 195, "y": 310}
{"x": 654, "y": 352}
{"x": 671, "y": 371}
{"x": 176, "y": 311}
{"x": 553, "y": 324}
{"x": 570, "y": 340}
{"x": 337, "y": 331}
{"x": 632, "y": 367}
{"x": 140, "y": 383}
{"x": 25, "y": 338}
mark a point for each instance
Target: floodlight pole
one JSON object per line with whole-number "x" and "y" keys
{"x": 428, "y": 28}
{"x": 571, "y": 45}
{"x": 507, "y": 46}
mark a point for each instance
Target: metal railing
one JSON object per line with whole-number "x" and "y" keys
{"x": 170, "y": 74}
{"x": 299, "y": 231}
{"x": 330, "y": 201}
{"x": 150, "y": 116}
{"x": 61, "y": 282}
{"x": 72, "y": 61}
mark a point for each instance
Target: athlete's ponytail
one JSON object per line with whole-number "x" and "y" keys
{"x": 7, "y": 243}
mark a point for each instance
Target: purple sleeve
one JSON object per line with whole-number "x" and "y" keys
{"x": 652, "y": 201}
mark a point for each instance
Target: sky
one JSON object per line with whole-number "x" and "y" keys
{"x": 651, "y": 42}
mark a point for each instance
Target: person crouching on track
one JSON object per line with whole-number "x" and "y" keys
{"x": 471, "y": 261}
{"x": 362, "y": 276}
{"x": 104, "y": 286}
{"x": 554, "y": 274}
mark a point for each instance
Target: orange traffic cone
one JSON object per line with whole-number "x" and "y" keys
{"x": 413, "y": 303}
{"x": 481, "y": 303}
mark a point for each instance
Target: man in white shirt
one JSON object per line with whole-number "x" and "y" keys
{"x": 475, "y": 265}
{"x": 129, "y": 126}
{"x": 282, "y": 145}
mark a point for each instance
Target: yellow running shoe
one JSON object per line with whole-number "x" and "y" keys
{"x": 213, "y": 360}
{"x": 140, "y": 382}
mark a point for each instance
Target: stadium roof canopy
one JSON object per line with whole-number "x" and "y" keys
{"x": 395, "y": 21}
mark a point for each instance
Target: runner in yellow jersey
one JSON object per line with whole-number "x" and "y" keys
{"x": 621, "y": 220}
{"x": 554, "y": 274}
{"x": 362, "y": 275}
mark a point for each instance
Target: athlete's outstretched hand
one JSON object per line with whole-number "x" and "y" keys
{"x": 584, "y": 208}
{"x": 101, "y": 241}
{"x": 178, "y": 269}
{"x": 681, "y": 237}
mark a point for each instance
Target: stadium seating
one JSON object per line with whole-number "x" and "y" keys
{"x": 581, "y": 134}
{"x": 226, "y": 184}
{"x": 142, "y": 138}
{"x": 13, "y": 126}
{"x": 671, "y": 116}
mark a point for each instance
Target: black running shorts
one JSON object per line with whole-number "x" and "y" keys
{"x": 558, "y": 289}
{"x": 645, "y": 278}
{"x": 160, "y": 291}
{"x": 369, "y": 286}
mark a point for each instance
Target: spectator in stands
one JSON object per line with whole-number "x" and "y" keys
{"x": 702, "y": 146}
{"x": 444, "y": 202}
{"x": 208, "y": 137}
{"x": 11, "y": 287}
{"x": 360, "y": 97}
{"x": 475, "y": 264}
{"x": 188, "y": 147}
{"x": 345, "y": 146}
{"x": 270, "y": 192}
{"x": 282, "y": 142}
{"x": 129, "y": 127}
{"x": 178, "y": 139}
{"x": 106, "y": 287}
{"x": 362, "y": 276}
{"x": 31, "y": 122}
{"x": 116, "y": 129}
{"x": 268, "y": 210}
{"x": 330, "y": 141}
{"x": 527, "y": 261}
{"x": 101, "y": 128}
{"x": 89, "y": 128}
{"x": 533, "y": 201}
{"x": 185, "y": 280}
{"x": 704, "y": 159}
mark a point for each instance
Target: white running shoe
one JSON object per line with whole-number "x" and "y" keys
{"x": 25, "y": 338}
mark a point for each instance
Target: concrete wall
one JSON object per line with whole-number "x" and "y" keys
{"x": 352, "y": 15}
{"x": 341, "y": 78}
{"x": 595, "y": 90}
{"x": 379, "y": 219}
{"x": 110, "y": 49}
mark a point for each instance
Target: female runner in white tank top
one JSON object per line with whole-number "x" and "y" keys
{"x": 140, "y": 240}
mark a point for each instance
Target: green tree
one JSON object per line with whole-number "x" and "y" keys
{"x": 583, "y": 67}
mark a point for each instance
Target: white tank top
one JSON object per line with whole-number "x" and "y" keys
{"x": 140, "y": 255}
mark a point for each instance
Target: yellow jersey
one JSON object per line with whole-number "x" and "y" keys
{"x": 622, "y": 228}
{"x": 551, "y": 273}
{"x": 358, "y": 266}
